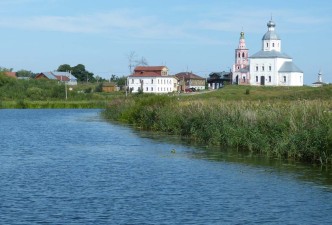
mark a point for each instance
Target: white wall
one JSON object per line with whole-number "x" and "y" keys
{"x": 153, "y": 84}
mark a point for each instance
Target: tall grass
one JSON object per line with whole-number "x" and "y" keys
{"x": 300, "y": 129}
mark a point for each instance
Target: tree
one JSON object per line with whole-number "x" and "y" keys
{"x": 64, "y": 68}
{"x": 142, "y": 62}
{"x": 79, "y": 72}
{"x": 25, "y": 73}
{"x": 133, "y": 61}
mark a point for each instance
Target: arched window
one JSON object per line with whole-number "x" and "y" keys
{"x": 243, "y": 54}
{"x": 239, "y": 55}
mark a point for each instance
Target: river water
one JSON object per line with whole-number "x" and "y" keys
{"x": 72, "y": 167}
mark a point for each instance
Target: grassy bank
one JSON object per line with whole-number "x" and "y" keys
{"x": 15, "y": 93}
{"x": 291, "y": 123}
{"x": 52, "y": 104}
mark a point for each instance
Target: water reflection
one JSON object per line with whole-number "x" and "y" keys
{"x": 305, "y": 172}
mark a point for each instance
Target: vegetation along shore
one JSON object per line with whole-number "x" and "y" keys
{"x": 293, "y": 123}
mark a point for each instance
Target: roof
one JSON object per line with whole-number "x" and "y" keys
{"x": 61, "y": 76}
{"x": 289, "y": 67}
{"x": 49, "y": 75}
{"x": 150, "y": 68}
{"x": 270, "y": 54}
{"x": 271, "y": 34}
{"x": 244, "y": 70}
{"x": 10, "y": 74}
{"x": 148, "y": 71}
{"x": 187, "y": 75}
{"x": 220, "y": 74}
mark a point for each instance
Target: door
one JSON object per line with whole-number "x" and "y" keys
{"x": 262, "y": 80}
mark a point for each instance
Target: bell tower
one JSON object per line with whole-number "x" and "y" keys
{"x": 240, "y": 68}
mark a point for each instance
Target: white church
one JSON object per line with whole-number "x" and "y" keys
{"x": 269, "y": 67}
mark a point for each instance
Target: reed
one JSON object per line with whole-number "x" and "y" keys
{"x": 299, "y": 129}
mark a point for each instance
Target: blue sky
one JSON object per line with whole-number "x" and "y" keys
{"x": 194, "y": 35}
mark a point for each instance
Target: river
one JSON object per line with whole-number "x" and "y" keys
{"x": 72, "y": 167}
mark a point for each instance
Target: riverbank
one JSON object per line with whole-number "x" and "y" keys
{"x": 53, "y": 104}
{"x": 294, "y": 123}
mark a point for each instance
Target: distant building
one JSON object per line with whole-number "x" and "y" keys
{"x": 65, "y": 77}
{"x": 152, "y": 79}
{"x": 219, "y": 79}
{"x": 241, "y": 67}
{"x": 109, "y": 87}
{"x": 269, "y": 66}
{"x": 190, "y": 80}
{"x": 319, "y": 81}
{"x": 10, "y": 74}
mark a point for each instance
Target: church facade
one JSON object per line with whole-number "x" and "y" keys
{"x": 268, "y": 67}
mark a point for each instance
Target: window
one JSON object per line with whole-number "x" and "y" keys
{"x": 151, "y": 81}
{"x": 151, "y": 88}
{"x": 256, "y": 68}
{"x": 263, "y": 68}
{"x": 270, "y": 68}
{"x": 147, "y": 89}
{"x": 239, "y": 55}
{"x": 267, "y": 45}
{"x": 285, "y": 79}
{"x": 243, "y": 54}
{"x": 270, "y": 79}
{"x": 132, "y": 81}
{"x": 256, "y": 78}
{"x": 272, "y": 44}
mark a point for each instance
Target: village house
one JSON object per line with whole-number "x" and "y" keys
{"x": 152, "y": 79}
{"x": 65, "y": 77}
{"x": 190, "y": 81}
{"x": 10, "y": 74}
{"x": 109, "y": 87}
{"x": 219, "y": 79}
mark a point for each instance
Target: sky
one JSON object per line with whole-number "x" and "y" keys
{"x": 185, "y": 35}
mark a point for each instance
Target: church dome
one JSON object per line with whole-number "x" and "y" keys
{"x": 271, "y": 34}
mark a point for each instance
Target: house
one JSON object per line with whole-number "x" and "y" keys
{"x": 152, "y": 79}
{"x": 190, "y": 80}
{"x": 109, "y": 87}
{"x": 65, "y": 77}
{"x": 269, "y": 67}
{"x": 218, "y": 79}
{"x": 10, "y": 74}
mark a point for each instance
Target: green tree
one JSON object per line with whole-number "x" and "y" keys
{"x": 79, "y": 72}
{"x": 64, "y": 68}
{"x": 25, "y": 73}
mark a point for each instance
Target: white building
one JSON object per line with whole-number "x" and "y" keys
{"x": 270, "y": 66}
{"x": 152, "y": 79}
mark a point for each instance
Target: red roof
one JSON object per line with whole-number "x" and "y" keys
{"x": 150, "y": 68}
{"x": 148, "y": 71}
{"x": 10, "y": 74}
{"x": 62, "y": 78}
